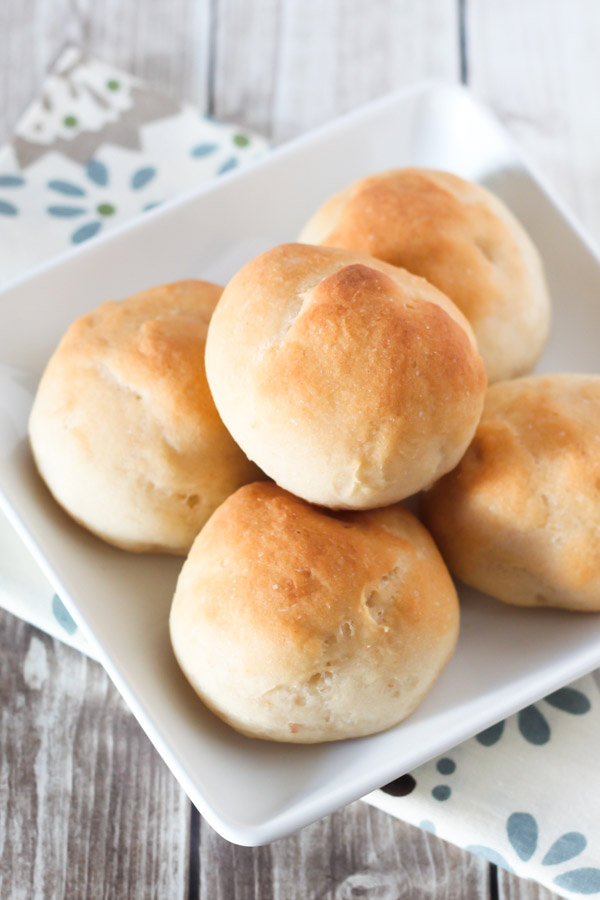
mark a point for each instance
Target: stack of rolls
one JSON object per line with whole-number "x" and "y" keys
{"x": 338, "y": 376}
{"x": 353, "y": 384}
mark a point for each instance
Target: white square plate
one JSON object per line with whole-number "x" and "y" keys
{"x": 252, "y": 791}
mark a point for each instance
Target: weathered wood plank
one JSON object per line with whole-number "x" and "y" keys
{"x": 357, "y": 852}
{"x": 285, "y": 66}
{"x": 537, "y": 65}
{"x": 87, "y": 807}
{"x": 244, "y": 61}
{"x": 512, "y": 888}
{"x": 337, "y": 56}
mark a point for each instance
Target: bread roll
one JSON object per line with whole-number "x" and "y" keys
{"x": 124, "y": 430}
{"x": 295, "y": 624}
{"x": 462, "y": 239}
{"x": 519, "y": 518}
{"x": 350, "y": 382}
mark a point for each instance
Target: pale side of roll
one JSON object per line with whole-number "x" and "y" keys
{"x": 124, "y": 430}
{"x": 350, "y": 382}
{"x": 519, "y": 518}
{"x": 294, "y": 624}
{"x": 461, "y": 238}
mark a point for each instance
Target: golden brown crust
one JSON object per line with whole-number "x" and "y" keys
{"x": 124, "y": 429}
{"x": 352, "y": 383}
{"x": 462, "y": 239}
{"x": 519, "y": 518}
{"x": 334, "y": 623}
{"x": 153, "y": 341}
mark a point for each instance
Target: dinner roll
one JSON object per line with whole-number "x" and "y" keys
{"x": 462, "y": 239}
{"x": 124, "y": 430}
{"x": 297, "y": 624}
{"x": 350, "y": 382}
{"x": 520, "y": 516}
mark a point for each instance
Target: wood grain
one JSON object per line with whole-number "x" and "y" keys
{"x": 535, "y": 64}
{"x": 88, "y": 809}
{"x": 302, "y": 62}
{"x": 512, "y": 888}
{"x": 357, "y": 852}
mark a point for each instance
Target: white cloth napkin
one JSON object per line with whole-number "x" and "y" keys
{"x": 98, "y": 147}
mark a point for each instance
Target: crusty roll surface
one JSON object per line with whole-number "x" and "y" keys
{"x": 350, "y": 382}
{"x": 297, "y": 624}
{"x": 462, "y": 239}
{"x": 124, "y": 430}
{"x": 519, "y": 518}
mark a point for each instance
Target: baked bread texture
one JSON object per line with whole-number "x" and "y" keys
{"x": 519, "y": 518}
{"x": 124, "y": 430}
{"x": 350, "y": 382}
{"x": 462, "y": 239}
{"x": 296, "y": 624}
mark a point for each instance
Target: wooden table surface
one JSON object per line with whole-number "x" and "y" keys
{"x": 87, "y": 808}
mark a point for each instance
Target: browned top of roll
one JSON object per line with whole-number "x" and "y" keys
{"x": 462, "y": 239}
{"x": 298, "y": 624}
{"x": 367, "y": 372}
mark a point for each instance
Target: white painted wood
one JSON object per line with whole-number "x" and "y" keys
{"x": 336, "y": 56}
{"x": 537, "y": 64}
{"x": 284, "y": 66}
{"x": 246, "y": 50}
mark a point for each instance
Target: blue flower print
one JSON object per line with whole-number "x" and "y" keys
{"x": 237, "y": 144}
{"x": 62, "y": 615}
{"x": 203, "y": 150}
{"x": 531, "y": 721}
{"x": 522, "y": 832}
{"x": 77, "y": 203}
{"x": 7, "y": 207}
